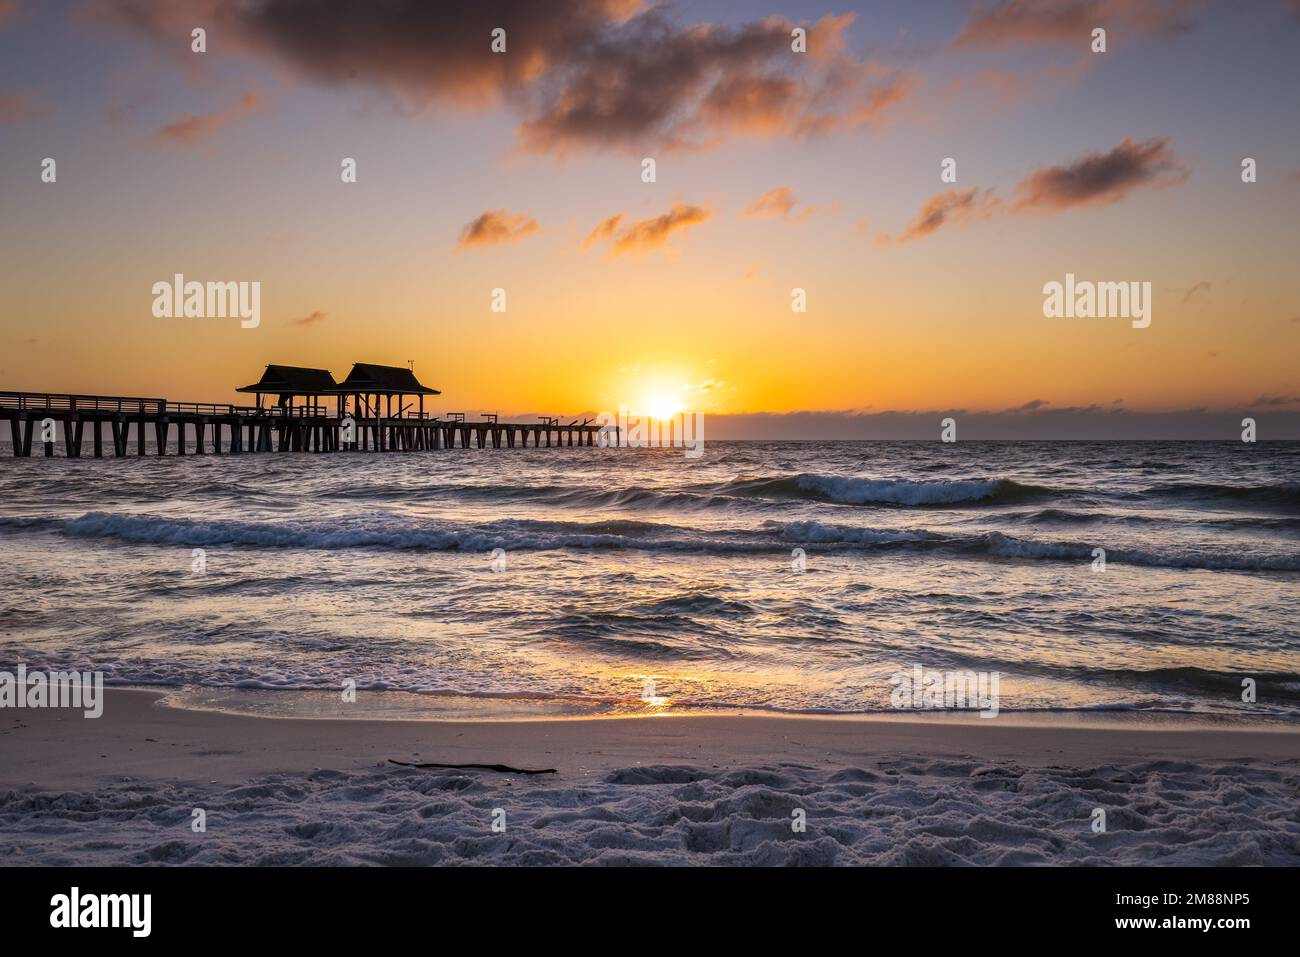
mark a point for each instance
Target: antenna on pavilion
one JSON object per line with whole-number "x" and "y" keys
{"x": 410, "y": 364}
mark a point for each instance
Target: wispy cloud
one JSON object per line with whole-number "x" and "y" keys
{"x": 310, "y": 319}
{"x": 778, "y": 203}
{"x": 951, "y": 206}
{"x": 1100, "y": 179}
{"x": 604, "y": 230}
{"x": 1012, "y": 22}
{"x": 193, "y": 127}
{"x": 996, "y": 89}
{"x": 645, "y": 234}
{"x": 1097, "y": 179}
{"x": 496, "y": 227}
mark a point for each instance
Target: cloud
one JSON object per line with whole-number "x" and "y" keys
{"x": 1013, "y": 22}
{"x": 604, "y": 230}
{"x": 422, "y": 50}
{"x": 495, "y": 227}
{"x": 308, "y": 320}
{"x": 645, "y": 234}
{"x": 1274, "y": 401}
{"x": 580, "y": 74}
{"x": 1204, "y": 285}
{"x": 1097, "y": 179}
{"x": 1100, "y": 179}
{"x": 954, "y": 205}
{"x": 1032, "y": 405}
{"x": 695, "y": 87}
{"x": 999, "y": 89}
{"x": 192, "y": 127}
{"x": 777, "y": 203}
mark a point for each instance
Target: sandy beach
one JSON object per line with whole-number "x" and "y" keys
{"x": 689, "y": 789}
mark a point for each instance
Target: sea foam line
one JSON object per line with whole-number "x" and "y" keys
{"x": 389, "y": 532}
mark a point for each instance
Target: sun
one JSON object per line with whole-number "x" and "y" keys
{"x": 661, "y": 407}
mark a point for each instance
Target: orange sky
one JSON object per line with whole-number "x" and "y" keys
{"x": 774, "y": 172}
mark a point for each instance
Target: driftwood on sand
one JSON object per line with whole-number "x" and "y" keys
{"x": 503, "y": 768}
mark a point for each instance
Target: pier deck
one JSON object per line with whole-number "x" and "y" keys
{"x": 82, "y": 423}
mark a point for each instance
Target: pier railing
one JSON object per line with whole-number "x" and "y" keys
{"x": 33, "y": 401}
{"x": 131, "y": 405}
{"x": 126, "y": 405}
{"x": 219, "y": 409}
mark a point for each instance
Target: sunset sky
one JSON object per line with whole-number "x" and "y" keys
{"x": 775, "y": 170}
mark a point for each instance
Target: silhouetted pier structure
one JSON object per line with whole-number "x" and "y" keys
{"x": 363, "y": 418}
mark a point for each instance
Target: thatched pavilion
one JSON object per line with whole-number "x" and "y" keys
{"x": 289, "y": 382}
{"x": 367, "y": 383}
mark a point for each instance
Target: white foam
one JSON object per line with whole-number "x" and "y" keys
{"x": 858, "y": 491}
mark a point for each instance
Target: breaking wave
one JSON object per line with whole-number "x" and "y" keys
{"x": 389, "y": 532}
{"x": 846, "y": 490}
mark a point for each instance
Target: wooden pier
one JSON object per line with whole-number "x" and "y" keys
{"x": 94, "y": 425}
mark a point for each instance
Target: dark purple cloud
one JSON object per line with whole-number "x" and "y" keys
{"x": 1072, "y": 21}
{"x": 426, "y": 50}
{"x": 581, "y": 74}
{"x": 1099, "y": 179}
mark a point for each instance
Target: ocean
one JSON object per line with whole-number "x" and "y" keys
{"x": 781, "y": 576}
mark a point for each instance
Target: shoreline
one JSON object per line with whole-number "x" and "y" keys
{"x": 458, "y": 707}
{"x": 143, "y": 735}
